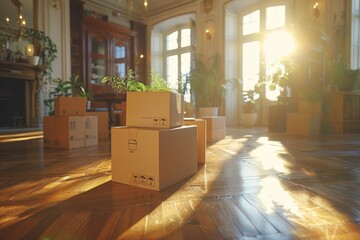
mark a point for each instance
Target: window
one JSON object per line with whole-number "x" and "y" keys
{"x": 273, "y": 38}
{"x": 355, "y": 35}
{"x": 178, "y": 57}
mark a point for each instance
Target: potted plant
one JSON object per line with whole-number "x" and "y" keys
{"x": 206, "y": 85}
{"x": 45, "y": 48}
{"x": 249, "y": 107}
{"x": 70, "y": 88}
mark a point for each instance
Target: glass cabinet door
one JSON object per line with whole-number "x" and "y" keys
{"x": 98, "y": 58}
{"x": 121, "y": 57}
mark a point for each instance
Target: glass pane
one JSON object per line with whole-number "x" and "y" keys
{"x": 120, "y": 51}
{"x": 185, "y": 37}
{"x": 97, "y": 70}
{"x": 172, "y": 41}
{"x": 278, "y": 45}
{"x": 275, "y": 17}
{"x": 251, "y": 23}
{"x": 120, "y": 69}
{"x": 185, "y": 69}
{"x": 172, "y": 70}
{"x": 251, "y": 64}
{"x": 98, "y": 46}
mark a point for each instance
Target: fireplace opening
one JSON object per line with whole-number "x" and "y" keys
{"x": 12, "y": 103}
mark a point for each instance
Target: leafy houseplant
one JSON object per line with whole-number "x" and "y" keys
{"x": 45, "y": 48}
{"x": 206, "y": 86}
{"x": 70, "y": 88}
{"x": 130, "y": 84}
{"x": 250, "y": 98}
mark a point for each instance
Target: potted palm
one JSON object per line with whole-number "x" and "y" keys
{"x": 206, "y": 86}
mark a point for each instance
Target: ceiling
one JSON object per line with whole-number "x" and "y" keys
{"x": 154, "y": 6}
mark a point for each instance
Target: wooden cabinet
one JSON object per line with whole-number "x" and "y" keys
{"x": 109, "y": 50}
{"x": 344, "y": 112}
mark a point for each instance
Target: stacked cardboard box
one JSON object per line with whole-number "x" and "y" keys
{"x": 70, "y": 127}
{"x": 154, "y": 150}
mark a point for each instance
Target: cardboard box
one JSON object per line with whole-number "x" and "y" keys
{"x": 70, "y": 106}
{"x": 303, "y": 124}
{"x": 91, "y": 131}
{"x": 215, "y": 128}
{"x": 153, "y": 158}
{"x": 201, "y": 136}
{"x": 214, "y": 135}
{"x": 64, "y": 132}
{"x": 154, "y": 109}
{"x": 103, "y": 124}
{"x": 310, "y": 107}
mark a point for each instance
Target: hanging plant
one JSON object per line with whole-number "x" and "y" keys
{"x": 45, "y": 48}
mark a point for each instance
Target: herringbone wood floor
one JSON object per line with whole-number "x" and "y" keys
{"x": 253, "y": 186}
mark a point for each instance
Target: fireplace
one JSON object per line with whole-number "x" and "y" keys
{"x": 19, "y": 99}
{"x": 12, "y": 103}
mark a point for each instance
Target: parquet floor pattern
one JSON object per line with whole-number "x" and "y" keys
{"x": 254, "y": 185}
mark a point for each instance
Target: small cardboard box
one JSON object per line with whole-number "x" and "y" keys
{"x": 303, "y": 124}
{"x": 214, "y": 135}
{"x": 103, "y": 124}
{"x": 64, "y": 132}
{"x": 153, "y": 158}
{"x": 201, "y": 132}
{"x": 91, "y": 131}
{"x": 154, "y": 109}
{"x": 216, "y": 128}
{"x": 70, "y": 106}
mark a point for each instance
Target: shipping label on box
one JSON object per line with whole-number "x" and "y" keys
{"x": 154, "y": 109}
{"x": 64, "y": 132}
{"x": 153, "y": 158}
{"x": 70, "y": 106}
{"x": 91, "y": 131}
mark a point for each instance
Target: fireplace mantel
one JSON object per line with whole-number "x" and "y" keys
{"x": 32, "y": 77}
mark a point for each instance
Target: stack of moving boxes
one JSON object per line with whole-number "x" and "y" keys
{"x": 70, "y": 127}
{"x": 154, "y": 150}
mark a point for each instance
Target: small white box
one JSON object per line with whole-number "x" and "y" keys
{"x": 91, "y": 131}
{"x": 153, "y": 158}
{"x": 64, "y": 132}
{"x": 216, "y": 128}
{"x": 154, "y": 109}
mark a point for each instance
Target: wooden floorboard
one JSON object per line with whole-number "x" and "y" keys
{"x": 254, "y": 185}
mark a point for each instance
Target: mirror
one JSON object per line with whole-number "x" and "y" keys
{"x": 9, "y": 10}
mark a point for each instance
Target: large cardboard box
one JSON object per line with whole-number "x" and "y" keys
{"x": 303, "y": 124}
{"x": 153, "y": 158}
{"x": 154, "y": 109}
{"x": 201, "y": 133}
{"x": 64, "y": 132}
{"x": 91, "y": 131}
{"x": 310, "y": 107}
{"x": 103, "y": 124}
{"x": 70, "y": 106}
{"x": 216, "y": 128}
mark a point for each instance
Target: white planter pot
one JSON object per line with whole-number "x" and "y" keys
{"x": 34, "y": 60}
{"x": 208, "y": 111}
{"x": 250, "y": 119}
